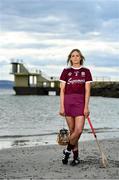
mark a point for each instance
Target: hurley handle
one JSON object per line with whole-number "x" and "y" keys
{"x": 93, "y": 130}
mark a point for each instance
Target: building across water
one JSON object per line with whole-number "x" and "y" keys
{"x": 33, "y": 83}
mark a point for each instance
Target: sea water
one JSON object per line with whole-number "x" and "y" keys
{"x": 34, "y": 120}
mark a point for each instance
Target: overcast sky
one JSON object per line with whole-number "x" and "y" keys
{"x": 43, "y": 32}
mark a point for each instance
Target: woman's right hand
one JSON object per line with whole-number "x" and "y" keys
{"x": 61, "y": 112}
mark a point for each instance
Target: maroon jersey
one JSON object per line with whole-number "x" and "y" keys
{"x": 75, "y": 79}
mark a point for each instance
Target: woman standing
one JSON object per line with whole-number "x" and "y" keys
{"x": 74, "y": 101}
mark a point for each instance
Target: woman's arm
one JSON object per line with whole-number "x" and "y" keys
{"x": 62, "y": 90}
{"x": 87, "y": 97}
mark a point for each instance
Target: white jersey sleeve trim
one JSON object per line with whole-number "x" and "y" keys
{"x": 89, "y": 81}
{"x": 62, "y": 81}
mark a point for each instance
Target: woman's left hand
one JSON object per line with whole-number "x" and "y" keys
{"x": 86, "y": 112}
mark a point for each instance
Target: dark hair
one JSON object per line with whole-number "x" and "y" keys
{"x": 82, "y": 57}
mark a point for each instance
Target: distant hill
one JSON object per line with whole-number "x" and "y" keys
{"x": 6, "y": 84}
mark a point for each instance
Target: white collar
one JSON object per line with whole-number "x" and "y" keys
{"x": 77, "y": 67}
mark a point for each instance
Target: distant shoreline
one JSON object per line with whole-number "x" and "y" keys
{"x": 103, "y": 89}
{"x": 6, "y": 84}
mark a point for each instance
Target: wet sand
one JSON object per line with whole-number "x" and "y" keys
{"x": 44, "y": 162}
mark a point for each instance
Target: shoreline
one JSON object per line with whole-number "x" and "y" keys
{"x": 44, "y": 162}
{"x": 51, "y": 138}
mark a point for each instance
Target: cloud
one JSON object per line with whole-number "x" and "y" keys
{"x": 42, "y": 33}
{"x": 58, "y": 16}
{"x": 105, "y": 73}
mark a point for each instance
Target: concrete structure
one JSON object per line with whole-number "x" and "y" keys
{"x": 26, "y": 83}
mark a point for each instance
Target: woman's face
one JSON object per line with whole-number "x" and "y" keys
{"x": 75, "y": 58}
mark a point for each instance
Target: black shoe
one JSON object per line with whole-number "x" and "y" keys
{"x": 66, "y": 156}
{"x": 75, "y": 162}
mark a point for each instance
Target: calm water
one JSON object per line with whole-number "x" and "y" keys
{"x": 35, "y": 119}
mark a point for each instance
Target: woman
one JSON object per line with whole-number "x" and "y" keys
{"x": 74, "y": 101}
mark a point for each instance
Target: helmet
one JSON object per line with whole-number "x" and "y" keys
{"x": 63, "y": 137}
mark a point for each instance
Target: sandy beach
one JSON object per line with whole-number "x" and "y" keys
{"x": 44, "y": 162}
